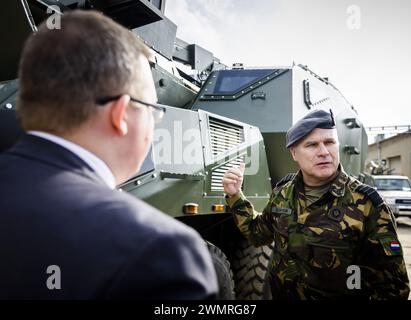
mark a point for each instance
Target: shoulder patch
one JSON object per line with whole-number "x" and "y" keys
{"x": 285, "y": 179}
{"x": 371, "y": 193}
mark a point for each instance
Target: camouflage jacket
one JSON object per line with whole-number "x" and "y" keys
{"x": 314, "y": 245}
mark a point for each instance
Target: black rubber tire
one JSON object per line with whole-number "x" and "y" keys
{"x": 251, "y": 271}
{"x": 224, "y": 273}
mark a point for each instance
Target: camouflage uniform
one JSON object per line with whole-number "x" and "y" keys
{"x": 314, "y": 245}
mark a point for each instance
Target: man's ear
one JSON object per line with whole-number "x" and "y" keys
{"x": 292, "y": 151}
{"x": 118, "y": 115}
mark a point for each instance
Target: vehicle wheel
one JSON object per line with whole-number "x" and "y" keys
{"x": 251, "y": 270}
{"x": 224, "y": 273}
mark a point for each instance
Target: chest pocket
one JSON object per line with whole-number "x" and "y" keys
{"x": 328, "y": 254}
{"x": 282, "y": 222}
{"x": 328, "y": 237}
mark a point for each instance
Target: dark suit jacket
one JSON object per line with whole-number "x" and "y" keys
{"x": 54, "y": 210}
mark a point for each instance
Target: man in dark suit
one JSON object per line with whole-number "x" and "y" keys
{"x": 87, "y": 104}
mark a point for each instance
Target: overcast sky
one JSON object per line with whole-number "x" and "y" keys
{"x": 363, "y": 46}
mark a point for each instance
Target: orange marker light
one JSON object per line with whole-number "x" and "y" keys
{"x": 190, "y": 208}
{"x": 218, "y": 207}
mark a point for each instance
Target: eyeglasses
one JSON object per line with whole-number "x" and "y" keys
{"x": 158, "y": 109}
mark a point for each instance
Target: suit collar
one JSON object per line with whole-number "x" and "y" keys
{"x": 42, "y": 150}
{"x": 87, "y": 156}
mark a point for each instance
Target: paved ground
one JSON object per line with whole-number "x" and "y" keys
{"x": 404, "y": 233}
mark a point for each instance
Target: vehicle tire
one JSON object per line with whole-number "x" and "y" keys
{"x": 251, "y": 270}
{"x": 224, "y": 274}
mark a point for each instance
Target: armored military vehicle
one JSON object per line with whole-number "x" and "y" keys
{"x": 218, "y": 117}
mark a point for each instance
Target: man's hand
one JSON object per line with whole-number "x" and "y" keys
{"x": 233, "y": 179}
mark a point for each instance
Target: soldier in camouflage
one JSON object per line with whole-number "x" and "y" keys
{"x": 322, "y": 222}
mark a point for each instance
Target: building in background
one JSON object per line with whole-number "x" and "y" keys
{"x": 394, "y": 152}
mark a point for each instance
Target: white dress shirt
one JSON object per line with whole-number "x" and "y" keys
{"x": 92, "y": 160}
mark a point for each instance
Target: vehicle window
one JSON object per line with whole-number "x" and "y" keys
{"x": 393, "y": 184}
{"x": 232, "y": 81}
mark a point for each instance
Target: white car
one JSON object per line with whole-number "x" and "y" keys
{"x": 396, "y": 191}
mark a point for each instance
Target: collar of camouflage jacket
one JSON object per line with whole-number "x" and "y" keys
{"x": 337, "y": 187}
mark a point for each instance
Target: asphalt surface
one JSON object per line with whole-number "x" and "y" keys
{"x": 404, "y": 234}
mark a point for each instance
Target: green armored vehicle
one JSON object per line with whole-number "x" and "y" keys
{"x": 218, "y": 117}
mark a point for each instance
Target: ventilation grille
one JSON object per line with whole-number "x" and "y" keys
{"x": 218, "y": 173}
{"x": 224, "y": 135}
